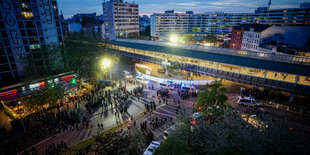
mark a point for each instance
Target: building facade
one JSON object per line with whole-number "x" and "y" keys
{"x": 120, "y": 18}
{"x": 26, "y": 26}
{"x": 271, "y": 38}
{"x": 236, "y": 38}
{"x": 221, "y": 23}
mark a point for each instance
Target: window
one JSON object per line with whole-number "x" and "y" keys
{"x": 33, "y": 40}
{"x": 4, "y": 34}
{"x": 23, "y": 33}
{"x": 27, "y": 15}
{"x": 25, "y": 7}
{"x": 9, "y": 51}
{"x": 35, "y": 46}
{"x": 2, "y": 52}
{"x": 32, "y": 32}
{"x": 20, "y": 24}
{"x": 25, "y": 41}
{"x": 1, "y": 25}
{"x": 30, "y": 24}
{"x": 38, "y": 24}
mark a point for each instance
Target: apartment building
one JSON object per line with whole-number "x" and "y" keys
{"x": 252, "y": 35}
{"x": 120, "y": 18}
{"x": 221, "y": 23}
{"x": 26, "y": 26}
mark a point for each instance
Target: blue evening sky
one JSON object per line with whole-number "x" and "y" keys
{"x": 148, "y": 7}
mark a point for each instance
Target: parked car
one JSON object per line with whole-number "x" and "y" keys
{"x": 249, "y": 101}
{"x": 192, "y": 90}
{"x": 161, "y": 71}
{"x": 151, "y": 148}
{"x": 166, "y": 86}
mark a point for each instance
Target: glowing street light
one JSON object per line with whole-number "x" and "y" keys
{"x": 106, "y": 63}
{"x": 174, "y": 38}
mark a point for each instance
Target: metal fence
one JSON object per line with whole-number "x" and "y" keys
{"x": 281, "y": 57}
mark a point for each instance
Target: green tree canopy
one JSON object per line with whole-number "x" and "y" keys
{"x": 212, "y": 99}
{"x": 173, "y": 146}
{"x": 210, "y": 38}
{"x": 189, "y": 38}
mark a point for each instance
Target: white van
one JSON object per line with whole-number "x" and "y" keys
{"x": 247, "y": 101}
{"x": 127, "y": 74}
{"x": 142, "y": 80}
{"x": 190, "y": 89}
{"x": 151, "y": 148}
{"x": 166, "y": 86}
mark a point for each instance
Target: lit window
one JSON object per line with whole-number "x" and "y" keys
{"x": 25, "y": 7}
{"x": 27, "y": 15}
{"x": 35, "y": 46}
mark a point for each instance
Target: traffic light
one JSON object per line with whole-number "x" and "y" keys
{"x": 194, "y": 122}
{"x": 73, "y": 80}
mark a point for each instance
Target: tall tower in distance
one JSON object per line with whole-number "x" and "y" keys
{"x": 269, "y": 3}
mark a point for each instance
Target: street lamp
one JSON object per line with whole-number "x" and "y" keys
{"x": 105, "y": 64}
{"x": 174, "y": 38}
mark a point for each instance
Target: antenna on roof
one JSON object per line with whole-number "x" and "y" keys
{"x": 269, "y": 4}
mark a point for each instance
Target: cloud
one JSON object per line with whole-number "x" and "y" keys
{"x": 70, "y": 7}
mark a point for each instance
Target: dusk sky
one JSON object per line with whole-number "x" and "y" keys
{"x": 148, "y": 7}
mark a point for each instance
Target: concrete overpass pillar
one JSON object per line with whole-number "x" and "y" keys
{"x": 166, "y": 68}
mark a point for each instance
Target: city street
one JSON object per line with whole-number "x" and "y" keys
{"x": 136, "y": 107}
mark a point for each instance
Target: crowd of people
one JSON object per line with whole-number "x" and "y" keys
{"x": 118, "y": 142}
{"x": 66, "y": 117}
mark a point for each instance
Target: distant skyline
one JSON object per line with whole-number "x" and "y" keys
{"x": 148, "y": 7}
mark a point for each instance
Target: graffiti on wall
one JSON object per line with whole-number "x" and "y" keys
{"x": 47, "y": 11}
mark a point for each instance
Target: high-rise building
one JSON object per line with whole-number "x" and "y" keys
{"x": 26, "y": 26}
{"x": 221, "y": 23}
{"x": 208, "y": 23}
{"x": 120, "y": 18}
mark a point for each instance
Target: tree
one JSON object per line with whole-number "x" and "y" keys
{"x": 189, "y": 38}
{"x": 81, "y": 54}
{"x": 173, "y": 146}
{"x": 147, "y": 31}
{"x": 49, "y": 94}
{"x": 42, "y": 63}
{"x": 210, "y": 38}
{"x": 212, "y": 99}
{"x": 84, "y": 55}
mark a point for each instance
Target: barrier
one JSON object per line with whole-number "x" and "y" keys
{"x": 162, "y": 80}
